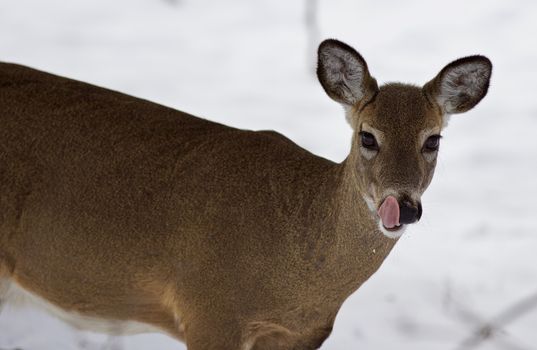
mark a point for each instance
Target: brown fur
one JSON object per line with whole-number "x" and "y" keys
{"x": 119, "y": 208}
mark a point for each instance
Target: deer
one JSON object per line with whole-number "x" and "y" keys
{"x": 123, "y": 216}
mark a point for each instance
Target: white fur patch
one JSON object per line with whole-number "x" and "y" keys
{"x": 445, "y": 120}
{"x": 391, "y": 234}
{"x": 16, "y": 296}
{"x": 430, "y": 156}
{"x": 368, "y": 153}
{"x": 466, "y": 80}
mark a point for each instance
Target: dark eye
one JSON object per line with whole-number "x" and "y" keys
{"x": 369, "y": 141}
{"x": 432, "y": 143}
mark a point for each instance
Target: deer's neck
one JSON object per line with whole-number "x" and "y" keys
{"x": 347, "y": 246}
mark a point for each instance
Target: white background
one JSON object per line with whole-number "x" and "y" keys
{"x": 246, "y": 63}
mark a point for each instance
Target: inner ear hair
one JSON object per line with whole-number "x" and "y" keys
{"x": 461, "y": 84}
{"x": 343, "y": 73}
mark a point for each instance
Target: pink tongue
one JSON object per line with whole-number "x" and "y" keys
{"x": 389, "y": 212}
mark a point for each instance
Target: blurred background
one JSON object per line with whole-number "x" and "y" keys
{"x": 465, "y": 277}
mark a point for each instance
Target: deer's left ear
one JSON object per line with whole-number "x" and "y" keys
{"x": 461, "y": 84}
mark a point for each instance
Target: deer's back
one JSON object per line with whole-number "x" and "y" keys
{"x": 116, "y": 185}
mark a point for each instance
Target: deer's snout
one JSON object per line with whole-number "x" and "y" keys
{"x": 409, "y": 212}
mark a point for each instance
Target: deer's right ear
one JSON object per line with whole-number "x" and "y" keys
{"x": 343, "y": 73}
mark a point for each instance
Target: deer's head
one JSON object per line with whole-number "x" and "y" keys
{"x": 397, "y": 127}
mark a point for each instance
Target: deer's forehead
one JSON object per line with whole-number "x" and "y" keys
{"x": 401, "y": 110}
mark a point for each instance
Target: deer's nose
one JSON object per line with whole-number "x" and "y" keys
{"x": 409, "y": 212}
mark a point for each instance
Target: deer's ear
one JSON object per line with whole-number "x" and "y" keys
{"x": 461, "y": 84}
{"x": 343, "y": 73}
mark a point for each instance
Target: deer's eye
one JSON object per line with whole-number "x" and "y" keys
{"x": 432, "y": 143}
{"x": 368, "y": 141}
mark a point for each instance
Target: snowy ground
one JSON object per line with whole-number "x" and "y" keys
{"x": 244, "y": 63}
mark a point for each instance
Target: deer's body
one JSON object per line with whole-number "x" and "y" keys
{"x": 129, "y": 216}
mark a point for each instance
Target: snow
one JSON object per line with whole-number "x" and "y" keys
{"x": 245, "y": 63}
